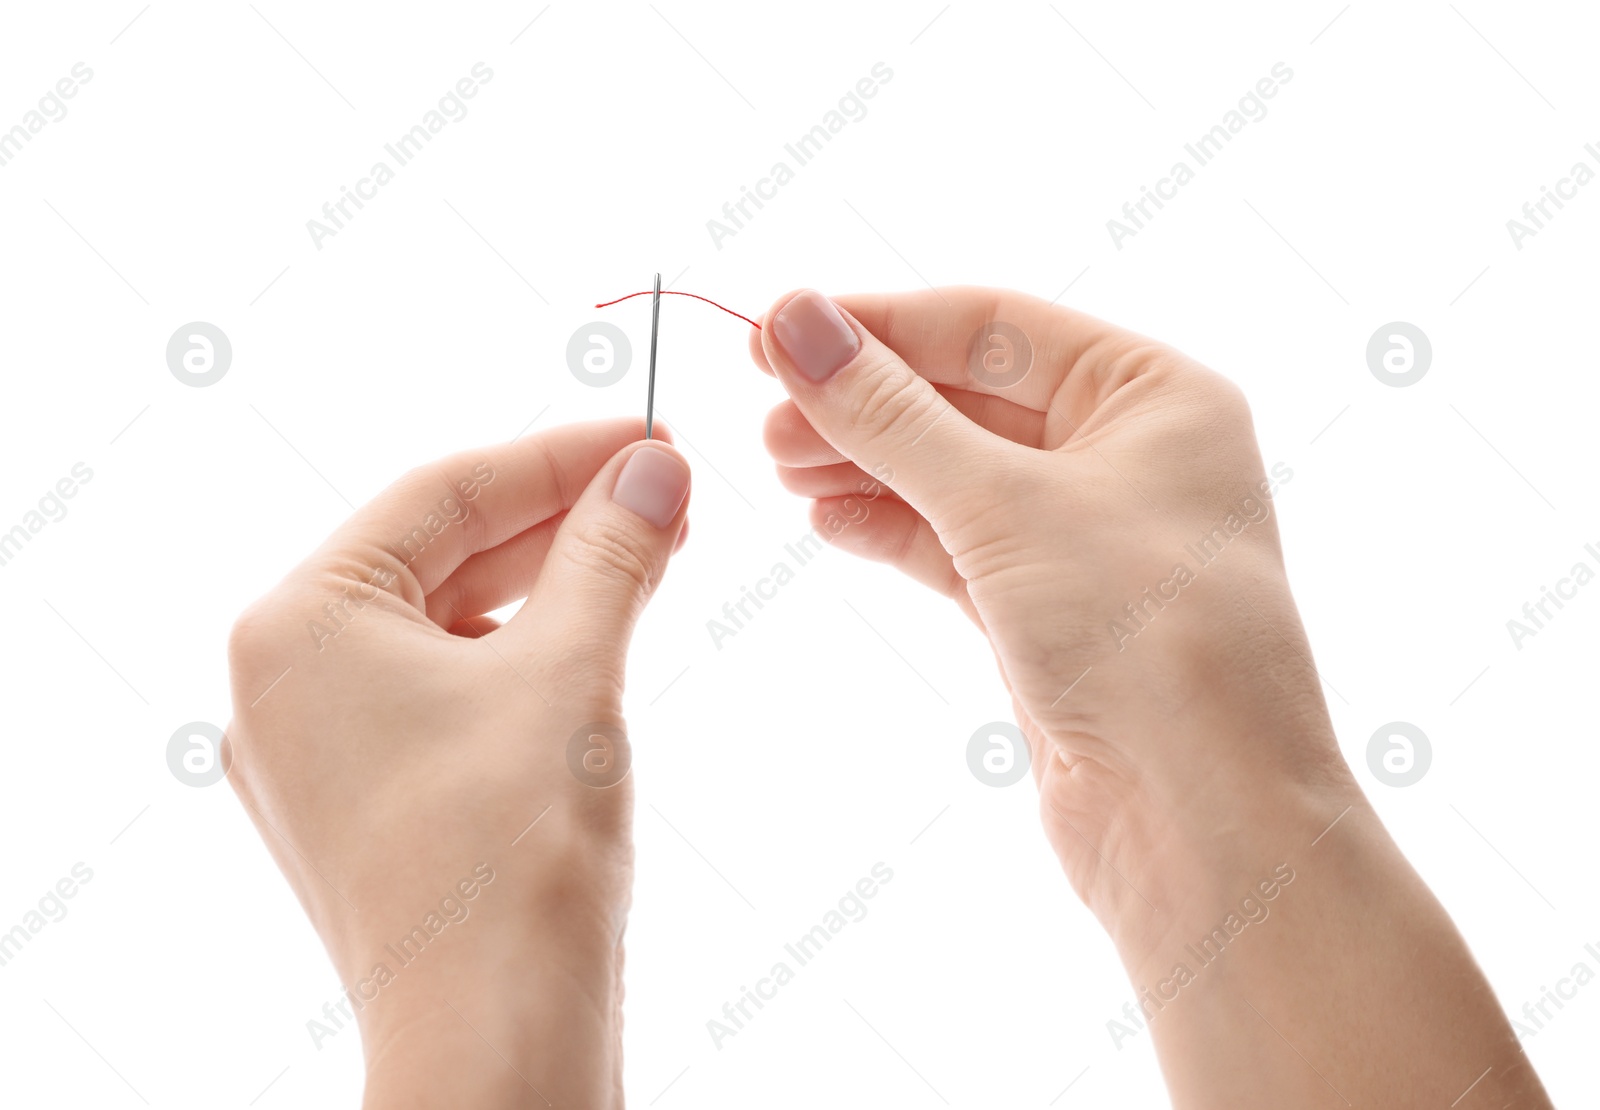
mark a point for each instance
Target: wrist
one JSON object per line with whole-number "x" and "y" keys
{"x": 483, "y": 1001}
{"x": 1239, "y": 765}
{"x": 1220, "y": 856}
{"x": 535, "y": 1037}
{"x": 528, "y": 1014}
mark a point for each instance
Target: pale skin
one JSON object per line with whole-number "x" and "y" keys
{"x": 420, "y": 741}
{"x": 1189, "y": 779}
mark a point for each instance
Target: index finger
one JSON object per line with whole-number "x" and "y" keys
{"x": 434, "y": 518}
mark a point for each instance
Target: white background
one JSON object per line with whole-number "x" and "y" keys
{"x": 774, "y": 772}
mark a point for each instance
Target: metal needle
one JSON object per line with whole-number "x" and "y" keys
{"x": 655, "y": 329}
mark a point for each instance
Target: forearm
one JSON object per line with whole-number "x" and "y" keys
{"x": 1294, "y": 958}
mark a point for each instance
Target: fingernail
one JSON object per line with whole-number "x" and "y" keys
{"x": 814, "y": 336}
{"x": 652, "y": 484}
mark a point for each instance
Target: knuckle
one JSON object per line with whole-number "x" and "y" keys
{"x": 1232, "y": 399}
{"x": 893, "y": 400}
{"x": 1217, "y": 392}
{"x": 1218, "y": 395}
{"x": 254, "y": 633}
{"x": 619, "y": 552}
{"x": 415, "y": 481}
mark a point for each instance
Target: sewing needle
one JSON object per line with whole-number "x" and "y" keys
{"x": 655, "y": 329}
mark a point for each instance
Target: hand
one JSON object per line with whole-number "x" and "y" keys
{"x": 447, "y": 797}
{"x": 1103, "y": 515}
{"x": 1101, "y": 512}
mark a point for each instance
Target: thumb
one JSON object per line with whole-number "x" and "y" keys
{"x": 608, "y": 556}
{"x": 874, "y": 409}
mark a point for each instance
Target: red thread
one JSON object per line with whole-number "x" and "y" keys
{"x": 676, "y": 293}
